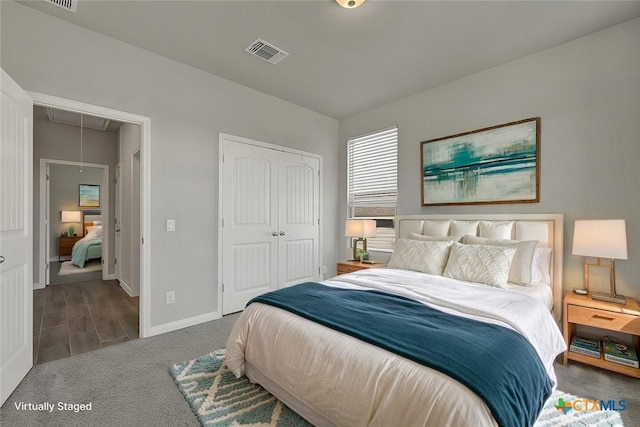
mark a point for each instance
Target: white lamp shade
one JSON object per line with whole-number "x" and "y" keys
{"x": 71, "y": 216}
{"x": 360, "y": 228}
{"x": 600, "y": 238}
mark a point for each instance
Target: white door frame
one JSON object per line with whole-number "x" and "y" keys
{"x": 145, "y": 186}
{"x": 117, "y": 222}
{"x": 45, "y": 220}
{"x": 239, "y": 139}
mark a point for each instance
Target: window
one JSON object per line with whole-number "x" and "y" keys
{"x": 372, "y": 183}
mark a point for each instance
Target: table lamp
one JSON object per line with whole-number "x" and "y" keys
{"x": 601, "y": 239}
{"x": 71, "y": 217}
{"x": 359, "y": 230}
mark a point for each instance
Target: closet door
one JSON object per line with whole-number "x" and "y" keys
{"x": 298, "y": 213}
{"x": 250, "y": 229}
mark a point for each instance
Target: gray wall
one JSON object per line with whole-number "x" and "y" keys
{"x": 62, "y": 142}
{"x": 129, "y": 137}
{"x": 587, "y": 93}
{"x": 63, "y": 186}
{"x": 188, "y": 109}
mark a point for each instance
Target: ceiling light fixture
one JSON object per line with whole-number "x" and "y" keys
{"x": 349, "y": 4}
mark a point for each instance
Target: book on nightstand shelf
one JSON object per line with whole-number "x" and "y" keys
{"x": 620, "y": 353}
{"x": 587, "y": 346}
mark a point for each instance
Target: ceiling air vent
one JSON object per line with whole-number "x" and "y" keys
{"x": 266, "y": 51}
{"x": 69, "y": 5}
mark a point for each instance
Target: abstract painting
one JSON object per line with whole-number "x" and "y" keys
{"x": 498, "y": 164}
{"x": 89, "y": 195}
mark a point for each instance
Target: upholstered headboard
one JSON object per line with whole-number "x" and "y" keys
{"x": 546, "y": 228}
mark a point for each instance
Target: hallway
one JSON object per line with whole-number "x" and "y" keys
{"x": 74, "y": 318}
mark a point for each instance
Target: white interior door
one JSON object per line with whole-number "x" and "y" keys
{"x": 16, "y": 236}
{"x": 250, "y": 229}
{"x": 135, "y": 224}
{"x": 299, "y": 225}
{"x": 118, "y": 212}
{"x": 46, "y": 241}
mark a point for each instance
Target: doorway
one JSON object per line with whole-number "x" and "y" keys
{"x": 144, "y": 124}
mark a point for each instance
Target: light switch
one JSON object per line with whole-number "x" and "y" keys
{"x": 171, "y": 225}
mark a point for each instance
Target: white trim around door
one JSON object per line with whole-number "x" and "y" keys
{"x": 45, "y": 221}
{"x": 145, "y": 187}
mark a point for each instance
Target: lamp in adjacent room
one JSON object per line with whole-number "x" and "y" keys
{"x": 359, "y": 230}
{"x": 601, "y": 239}
{"x": 71, "y": 217}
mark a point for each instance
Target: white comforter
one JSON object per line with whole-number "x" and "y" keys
{"x": 340, "y": 380}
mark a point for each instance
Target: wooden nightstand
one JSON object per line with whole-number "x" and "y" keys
{"x": 582, "y": 310}
{"x": 65, "y": 245}
{"x": 351, "y": 266}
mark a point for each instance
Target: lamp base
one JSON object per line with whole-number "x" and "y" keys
{"x": 618, "y": 299}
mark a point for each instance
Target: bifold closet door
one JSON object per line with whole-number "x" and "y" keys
{"x": 250, "y": 229}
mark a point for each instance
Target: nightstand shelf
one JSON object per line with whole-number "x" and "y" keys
{"x": 345, "y": 267}
{"x": 583, "y": 310}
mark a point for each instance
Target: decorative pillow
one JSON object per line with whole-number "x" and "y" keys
{"x": 480, "y": 263}
{"x": 416, "y": 236}
{"x": 94, "y": 232}
{"x": 460, "y": 228}
{"x": 520, "y": 272}
{"x": 496, "y": 229}
{"x": 541, "y": 269}
{"x": 417, "y": 255}
{"x": 436, "y": 227}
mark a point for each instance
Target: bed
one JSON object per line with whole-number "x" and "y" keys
{"x": 90, "y": 246}
{"x": 333, "y": 376}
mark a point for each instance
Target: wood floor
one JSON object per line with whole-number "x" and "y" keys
{"x": 74, "y": 318}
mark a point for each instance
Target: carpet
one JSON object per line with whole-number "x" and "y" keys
{"x": 218, "y": 398}
{"x": 67, "y": 267}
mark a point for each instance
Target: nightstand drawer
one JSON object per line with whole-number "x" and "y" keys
{"x": 604, "y": 319}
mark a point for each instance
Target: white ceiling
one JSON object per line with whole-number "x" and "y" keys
{"x": 73, "y": 119}
{"x": 346, "y": 61}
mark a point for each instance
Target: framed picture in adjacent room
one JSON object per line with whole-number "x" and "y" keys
{"x": 498, "y": 164}
{"x": 89, "y": 195}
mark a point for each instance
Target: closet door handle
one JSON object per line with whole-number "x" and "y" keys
{"x": 282, "y": 233}
{"x": 274, "y": 234}
{"x": 1, "y": 259}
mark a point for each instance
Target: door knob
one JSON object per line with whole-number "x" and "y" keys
{"x": 274, "y": 234}
{"x": 1, "y": 259}
{"x": 282, "y": 233}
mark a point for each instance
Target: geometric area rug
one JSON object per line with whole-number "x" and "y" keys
{"x": 218, "y": 398}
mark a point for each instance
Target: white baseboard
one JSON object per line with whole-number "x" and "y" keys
{"x": 111, "y": 277}
{"x": 184, "y": 323}
{"x": 38, "y": 286}
{"x": 124, "y": 286}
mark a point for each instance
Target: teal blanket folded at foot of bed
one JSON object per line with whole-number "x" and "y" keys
{"x": 85, "y": 250}
{"x": 496, "y": 363}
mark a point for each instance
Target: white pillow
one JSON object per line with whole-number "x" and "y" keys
{"x": 541, "y": 268}
{"x": 480, "y": 263}
{"x": 94, "y": 232}
{"x": 520, "y": 272}
{"x": 416, "y": 236}
{"x": 436, "y": 227}
{"x": 423, "y": 256}
{"x": 460, "y": 228}
{"x": 496, "y": 229}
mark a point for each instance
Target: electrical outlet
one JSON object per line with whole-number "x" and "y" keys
{"x": 171, "y": 297}
{"x": 171, "y": 225}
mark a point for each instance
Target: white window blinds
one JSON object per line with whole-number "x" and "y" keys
{"x": 372, "y": 169}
